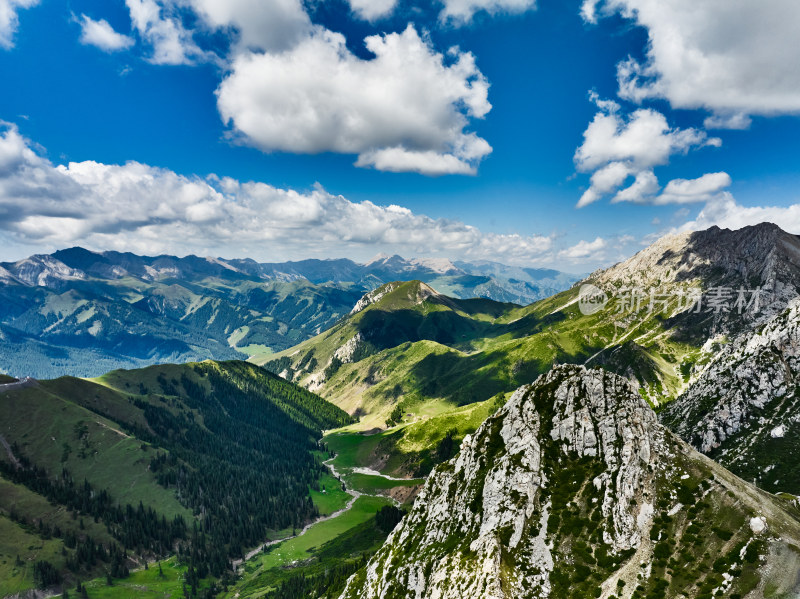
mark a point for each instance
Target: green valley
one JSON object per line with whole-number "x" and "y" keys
{"x": 204, "y": 459}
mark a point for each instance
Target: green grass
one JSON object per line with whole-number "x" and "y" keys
{"x": 262, "y": 567}
{"x": 15, "y": 541}
{"x": 144, "y": 584}
{"x": 31, "y": 506}
{"x": 42, "y": 424}
{"x": 344, "y": 551}
{"x": 352, "y": 449}
{"x": 367, "y": 483}
{"x": 407, "y": 444}
{"x": 299, "y": 548}
{"x": 333, "y": 499}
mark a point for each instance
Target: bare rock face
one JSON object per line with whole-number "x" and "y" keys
{"x": 573, "y": 489}
{"x": 744, "y": 410}
{"x": 373, "y": 297}
{"x": 495, "y": 497}
{"x": 41, "y": 270}
{"x": 761, "y": 256}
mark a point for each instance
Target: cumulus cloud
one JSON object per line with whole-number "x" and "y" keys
{"x": 406, "y": 109}
{"x": 583, "y": 250}
{"x": 292, "y": 86}
{"x": 9, "y": 19}
{"x": 732, "y": 57}
{"x": 142, "y": 208}
{"x": 690, "y": 191}
{"x": 101, "y": 35}
{"x": 644, "y": 185}
{"x": 460, "y": 12}
{"x": 372, "y": 10}
{"x": 727, "y": 213}
{"x": 616, "y": 147}
{"x": 271, "y": 25}
{"x": 172, "y": 43}
{"x": 643, "y": 140}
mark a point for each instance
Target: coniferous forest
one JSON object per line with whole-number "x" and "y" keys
{"x": 237, "y": 446}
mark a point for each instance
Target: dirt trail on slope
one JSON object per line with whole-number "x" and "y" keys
{"x": 20, "y": 384}
{"x": 11, "y": 455}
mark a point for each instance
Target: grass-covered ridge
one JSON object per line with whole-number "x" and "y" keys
{"x": 411, "y": 346}
{"x": 209, "y": 458}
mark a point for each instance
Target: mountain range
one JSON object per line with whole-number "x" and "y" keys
{"x": 84, "y": 313}
{"x": 632, "y": 436}
{"x": 406, "y": 348}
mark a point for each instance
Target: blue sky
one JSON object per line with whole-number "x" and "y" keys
{"x": 563, "y": 134}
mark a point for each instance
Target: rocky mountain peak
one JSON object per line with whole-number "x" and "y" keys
{"x": 409, "y": 293}
{"x": 758, "y": 254}
{"x": 43, "y": 271}
{"x": 719, "y": 281}
{"x": 505, "y": 489}
{"x": 573, "y": 489}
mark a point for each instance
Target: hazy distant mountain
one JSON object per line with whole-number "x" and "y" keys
{"x": 82, "y": 312}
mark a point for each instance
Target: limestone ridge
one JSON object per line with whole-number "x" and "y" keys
{"x": 492, "y": 498}
{"x": 744, "y": 409}
{"x": 762, "y": 256}
{"x": 572, "y": 489}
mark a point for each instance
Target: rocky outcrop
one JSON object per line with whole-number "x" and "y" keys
{"x": 744, "y": 409}
{"x": 346, "y": 352}
{"x": 573, "y": 489}
{"x": 492, "y": 498}
{"x": 373, "y": 297}
{"x": 762, "y": 257}
{"x": 41, "y": 270}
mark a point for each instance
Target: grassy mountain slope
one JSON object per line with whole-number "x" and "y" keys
{"x": 574, "y": 490}
{"x": 84, "y": 313}
{"x": 132, "y": 460}
{"x": 406, "y": 344}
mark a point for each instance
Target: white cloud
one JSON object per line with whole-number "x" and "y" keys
{"x": 172, "y": 44}
{"x": 733, "y": 120}
{"x": 372, "y": 10}
{"x": 9, "y": 19}
{"x": 643, "y": 140}
{"x": 146, "y": 209}
{"x": 726, "y": 213}
{"x": 689, "y": 191}
{"x": 605, "y": 180}
{"x": 267, "y": 25}
{"x": 643, "y": 187}
{"x": 585, "y": 249}
{"x": 102, "y": 35}
{"x": 405, "y": 109}
{"x": 460, "y": 12}
{"x": 732, "y": 57}
{"x": 616, "y": 147}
